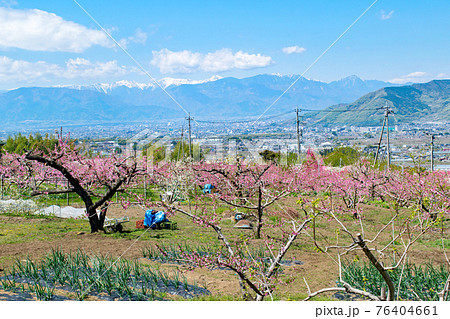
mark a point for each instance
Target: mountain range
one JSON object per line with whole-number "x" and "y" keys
{"x": 215, "y": 98}
{"x": 353, "y": 101}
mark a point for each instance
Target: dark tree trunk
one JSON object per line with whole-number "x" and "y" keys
{"x": 260, "y": 214}
{"x": 94, "y": 221}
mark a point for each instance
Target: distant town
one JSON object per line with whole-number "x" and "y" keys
{"x": 407, "y": 143}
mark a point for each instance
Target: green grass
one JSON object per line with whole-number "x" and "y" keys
{"x": 26, "y": 215}
{"x": 27, "y": 227}
{"x": 37, "y": 228}
{"x": 437, "y": 243}
{"x": 188, "y": 231}
{"x": 379, "y": 203}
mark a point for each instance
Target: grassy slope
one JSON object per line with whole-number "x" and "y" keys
{"x": 418, "y": 102}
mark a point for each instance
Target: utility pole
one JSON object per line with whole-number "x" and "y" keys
{"x": 387, "y": 135}
{"x": 298, "y": 135}
{"x": 189, "y": 118}
{"x": 181, "y": 144}
{"x": 387, "y": 111}
{"x": 432, "y": 137}
{"x": 432, "y": 152}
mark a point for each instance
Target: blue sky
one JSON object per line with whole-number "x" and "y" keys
{"x": 44, "y": 43}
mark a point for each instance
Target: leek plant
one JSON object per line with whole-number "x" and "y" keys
{"x": 84, "y": 275}
{"x": 413, "y": 282}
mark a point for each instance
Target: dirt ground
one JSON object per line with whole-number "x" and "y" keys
{"x": 218, "y": 282}
{"x": 317, "y": 269}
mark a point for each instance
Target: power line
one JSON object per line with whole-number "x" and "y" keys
{"x": 242, "y": 121}
{"x": 139, "y": 65}
{"x": 316, "y": 60}
{"x": 285, "y": 113}
{"x": 341, "y": 111}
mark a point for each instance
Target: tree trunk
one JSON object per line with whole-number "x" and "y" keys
{"x": 260, "y": 214}
{"x": 94, "y": 221}
{"x": 387, "y": 279}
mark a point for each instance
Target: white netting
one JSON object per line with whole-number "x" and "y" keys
{"x": 20, "y": 205}
{"x": 29, "y": 206}
{"x": 63, "y": 212}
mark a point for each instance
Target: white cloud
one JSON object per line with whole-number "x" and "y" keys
{"x": 386, "y": 16}
{"x": 221, "y": 60}
{"x": 417, "y": 74}
{"x": 38, "y": 30}
{"x": 139, "y": 36}
{"x": 8, "y": 3}
{"x": 415, "y": 77}
{"x": 24, "y": 72}
{"x": 176, "y": 62}
{"x": 82, "y": 68}
{"x": 293, "y": 49}
{"x": 19, "y": 70}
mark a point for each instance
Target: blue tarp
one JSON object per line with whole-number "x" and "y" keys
{"x": 153, "y": 218}
{"x": 148, "y": 219}
{"x": 160, "y": 217}
{"x": 208, "y": 188}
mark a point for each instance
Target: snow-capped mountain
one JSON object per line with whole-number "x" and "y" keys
{"x": 214, "y": 98}
{"x": 164, "y": 83}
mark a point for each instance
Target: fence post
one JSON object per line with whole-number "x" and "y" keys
{"x": 145, "y": 188}
{"x": 2, "y": 185}
{"x": 56, "y": 195}
{"x": 68, "y": 194}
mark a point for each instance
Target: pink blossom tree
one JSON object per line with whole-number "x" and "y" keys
{"x": 327, "y": 196}
{"x": 248, "y": 186}
{"x": 94, "y": 179}
{"x": 257, "y": 281}
{"x": 405, "y": 192}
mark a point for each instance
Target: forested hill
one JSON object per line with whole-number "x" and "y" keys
{"x": 416, "y": 103}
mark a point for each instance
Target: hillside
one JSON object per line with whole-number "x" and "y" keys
{"x": 416, "y": 103}
{"x": 33, "y": 106}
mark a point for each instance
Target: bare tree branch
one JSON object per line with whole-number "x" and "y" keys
{"x": 347, "y": 288}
